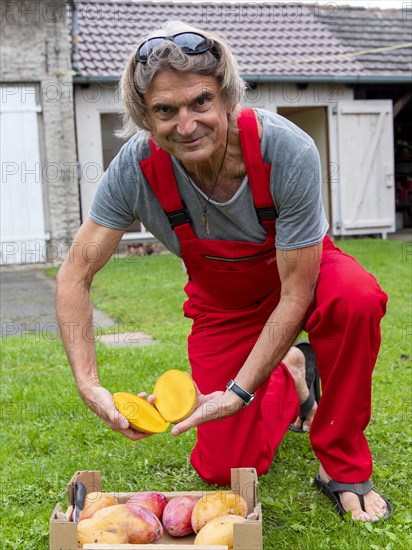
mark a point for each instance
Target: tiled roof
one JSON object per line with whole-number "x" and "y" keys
{"x": 363, "y": 30}
{"x": 267, "y": 39}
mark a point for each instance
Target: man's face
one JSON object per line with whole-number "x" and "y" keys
{"x": 187, "y": 116}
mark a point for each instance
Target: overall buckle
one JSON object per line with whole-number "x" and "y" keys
{"x": 266, "y": 214}
{"x": 178, "y": 217}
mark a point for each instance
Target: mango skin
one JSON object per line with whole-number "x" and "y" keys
{"x": 216, "y": 504}
{"x": 141, "y": 415}
{"x": 176, "y": 396}
{"x": 140, "y": 524}
{"x": 93, "y": 530}
{"x": 177, "y": 516}
{"x": 219, "y": 531}
{"x": 95, "y": 501}
{"x": 151, "y": 500}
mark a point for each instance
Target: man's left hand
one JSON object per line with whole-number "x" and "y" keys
{"x": 213, "y": 406}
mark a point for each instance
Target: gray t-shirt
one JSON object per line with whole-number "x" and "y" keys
{"x": 124, "y": 194}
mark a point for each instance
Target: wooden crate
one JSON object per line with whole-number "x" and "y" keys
{"x": 247, "y": 536}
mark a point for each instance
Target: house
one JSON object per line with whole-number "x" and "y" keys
{"x": 339, "y": 73}
{"x": 343, "y": 74}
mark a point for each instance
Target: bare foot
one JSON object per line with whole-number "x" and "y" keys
{"x": 375, "y": 506}
{"x": 295, "y": 362}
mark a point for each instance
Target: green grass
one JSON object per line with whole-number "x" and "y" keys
{"x": 48, "y": 433}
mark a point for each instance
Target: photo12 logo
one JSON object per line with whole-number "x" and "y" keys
{"x": 32, "y": 11}
{"x": 51, "y": 11}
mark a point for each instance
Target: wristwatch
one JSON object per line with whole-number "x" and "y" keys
{"x": 245, "y": 396}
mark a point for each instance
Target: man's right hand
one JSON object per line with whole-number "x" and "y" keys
{"x": 100, "y": 401}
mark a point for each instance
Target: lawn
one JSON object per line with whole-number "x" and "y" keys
{"x": 48, "y": 433}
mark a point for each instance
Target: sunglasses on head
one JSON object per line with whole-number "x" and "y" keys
{"x": 191, "y": 43}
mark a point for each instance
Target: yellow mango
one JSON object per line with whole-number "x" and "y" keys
{"x": 217, "y": 504}
{"x": 140, "y": 524}
{"x": 141, "y": 415}
{"x": 176, "y": 396}
{"x": 95, "y": 501}
{"x": 92, "y": 530}
{"x": 219, "y": 531}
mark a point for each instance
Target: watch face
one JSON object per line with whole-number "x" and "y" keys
{"x": 249, "y": 400}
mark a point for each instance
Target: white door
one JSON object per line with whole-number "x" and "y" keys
{"x": 363, "y": 196}
{"x": 23, "y": 236}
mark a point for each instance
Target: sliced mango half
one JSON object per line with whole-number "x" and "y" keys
{"x": 176, "y": 396}
{"x": 141, "y": 415}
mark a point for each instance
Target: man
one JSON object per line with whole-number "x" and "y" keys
{"x": 236, "y": 194}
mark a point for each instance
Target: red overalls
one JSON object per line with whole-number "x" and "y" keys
{"x": 233, "y": 288}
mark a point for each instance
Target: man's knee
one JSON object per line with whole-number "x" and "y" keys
{"x": 359, "y": 300}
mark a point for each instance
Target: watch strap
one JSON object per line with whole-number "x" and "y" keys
{"x": 245, "y": 396}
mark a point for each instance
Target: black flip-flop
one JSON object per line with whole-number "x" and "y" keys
{"x": 333, "y": 488}
{"x": 312, "y": 382}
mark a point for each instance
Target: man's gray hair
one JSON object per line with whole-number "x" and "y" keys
{"x": 137, "y": 77}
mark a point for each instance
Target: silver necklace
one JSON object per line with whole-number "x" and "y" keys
{"x": 205, "y": 219}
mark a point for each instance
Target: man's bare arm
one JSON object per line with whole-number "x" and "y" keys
{"x": 90, "y": 251}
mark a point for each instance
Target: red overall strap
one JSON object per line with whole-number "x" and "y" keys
{"x": 158, "y": 171}
{"x": 258, "y": 172}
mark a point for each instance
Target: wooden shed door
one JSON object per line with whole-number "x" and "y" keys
{"x": 22, "y": 213}
{"x": 365, "y": 151}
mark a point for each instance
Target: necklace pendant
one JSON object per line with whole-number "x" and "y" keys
{"x": 205, "y": 223}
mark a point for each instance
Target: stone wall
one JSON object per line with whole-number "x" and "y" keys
{"x": 36, "y": 50}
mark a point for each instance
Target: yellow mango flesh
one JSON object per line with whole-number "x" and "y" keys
{"x": 176, "y": 396}
{"x": 141, "y": 415}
